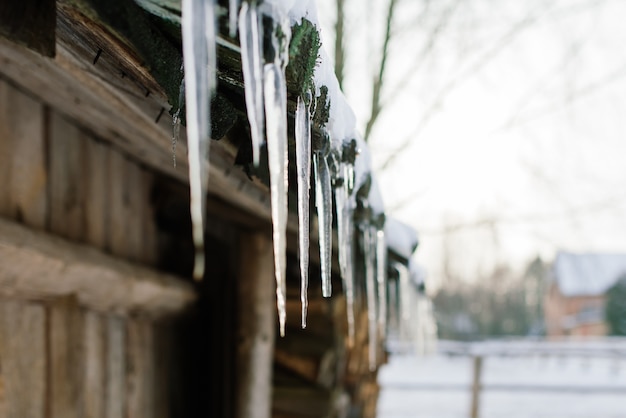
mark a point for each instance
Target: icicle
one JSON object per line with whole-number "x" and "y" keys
{"x": 250, "y": 31}
{"x": 394, "y": 310}
{"x": 405, "y": 302}
{"x": 233, "y": 5}
{"x": 369, "y": 251}
{"x": 323, "y": 203}
{"x": 344, "y": 232}
{"x": 175, "y": 133}
{"x": 176, "y": 117}
{"x": 198, "y": 30}
{"x": 349, "y": 280}
{"x": 275, "y": 92}
{"x": 303, "y": 162}
{"x": 381, "y": 278}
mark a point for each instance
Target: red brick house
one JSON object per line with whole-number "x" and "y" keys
{"x": 575, "y": 301}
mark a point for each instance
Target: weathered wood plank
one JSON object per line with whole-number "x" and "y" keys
{"x": 133, "y": 196}
{"x": 140, "y": 371}
{"x": 118, "y": 204}
{"x": 66, "y": 359}
{"x": 36, "y": 264}
{"x": 68, "y": 85}
{"x": 115, "y": 391}
{"x": 301, "y": 402}
{"x": 150, "y": 242}
{"x": 23, "y": 357}
{"x": 96, "y": 202}
{"x": 163, "y": 338}
{"x": 67, "y": 178}
{"x": 5, "y": 148}
{"x": 22, "y": 154}
{"x": 256, "y": 332}
{"x": 3, "y": 402}
{"x": 28, "y": 168}
{"x": 95, "y": 365}
{"x": 320, "y": 370}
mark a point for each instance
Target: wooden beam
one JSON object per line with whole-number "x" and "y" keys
{"x": 256, "y": 331}
{"x": 140, "y": 370}
{"x": 127, "y": 119}
{"x": 66, "y": 358}
{"x": 23, "y": 356}
{"x": 115, "y": 390}
{"x": 23, "y": 174}
{"x": 35, "y": 265}
{"x": 95, "y": 365}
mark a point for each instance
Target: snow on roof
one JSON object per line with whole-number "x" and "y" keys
{"x": 341, "y": 119}
{"x": 587, "y": 274}
{"x": 417, "y": 273}
{"x": 401, "y": 238}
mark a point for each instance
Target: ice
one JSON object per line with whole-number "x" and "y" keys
{"x": 369, "y": 251}
{"x": 250, "y": 31}
{"x": 381, "y": 278}
{"x": 405, "y": 301}
{"x": 233, "y": 6}
{"x": 303, "y": 163}
{"x": 349, "y": 278}
{"x": 323, "y": 203}
{"x": 176, "y": 116}
{"x": 275, "y": 92}
{"x": 175, "y": 133}
{"x": 199, "y": 58}
{"x": 344, "y": 231}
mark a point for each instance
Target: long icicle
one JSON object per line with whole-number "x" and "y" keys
{"x": 350, "y": 274}
{"x": 176, "y": 116}
{"x": 344, "y": 212}
{"x": 381, "y": 278}
{"x": 275, "y": 92}
{"x": 369, "y": 250}
{"x": 303, "y": 164}
{"x": 406, "y": 333}
{"x": 323, "y": 203}
{"x": 233, "y": 5}
{"x": 198, "y": 30}
{"x": 250, "y": 30}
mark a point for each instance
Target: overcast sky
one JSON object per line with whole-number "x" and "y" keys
{"x": 512, "y": 129}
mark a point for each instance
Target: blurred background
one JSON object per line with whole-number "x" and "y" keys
{"x": 497, "y": 131}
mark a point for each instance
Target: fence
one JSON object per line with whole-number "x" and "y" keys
{"x": 510, "y": 372}
{"x": 613, "y": 348}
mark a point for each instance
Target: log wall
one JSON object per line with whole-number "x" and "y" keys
{"x": 77, "y": 222}
{"x": 60, "y": 360}
{"x": 59, "y": 178}
{"x": 67, "y": 357}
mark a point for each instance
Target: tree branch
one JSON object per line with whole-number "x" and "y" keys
{"x": 340, "y": 57}
{"x": 378, "y": 81}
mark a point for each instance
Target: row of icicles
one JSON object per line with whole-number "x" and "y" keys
{"x": 333, "y": 167}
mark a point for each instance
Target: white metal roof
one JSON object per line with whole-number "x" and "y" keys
{"x": 587, "y": 274}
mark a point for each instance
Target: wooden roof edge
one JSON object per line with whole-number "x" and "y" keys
{"x": 111, "y": 98}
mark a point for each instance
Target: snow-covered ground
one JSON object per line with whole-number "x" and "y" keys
{"x": 514, "y": 387}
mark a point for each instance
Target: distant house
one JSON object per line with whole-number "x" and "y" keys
{"x": 576, "y": 296}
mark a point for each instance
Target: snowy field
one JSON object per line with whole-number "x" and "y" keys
{"x": 514, "y": 387}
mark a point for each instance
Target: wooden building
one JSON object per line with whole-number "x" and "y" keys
{"x": 576, "y": 298}
{"x": 99, "y": 316}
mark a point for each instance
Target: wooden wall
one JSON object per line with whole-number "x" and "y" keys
{"x": 66, "y": 360}
{"x": 57, "y": 177}
{"x": 58, "y": 358}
